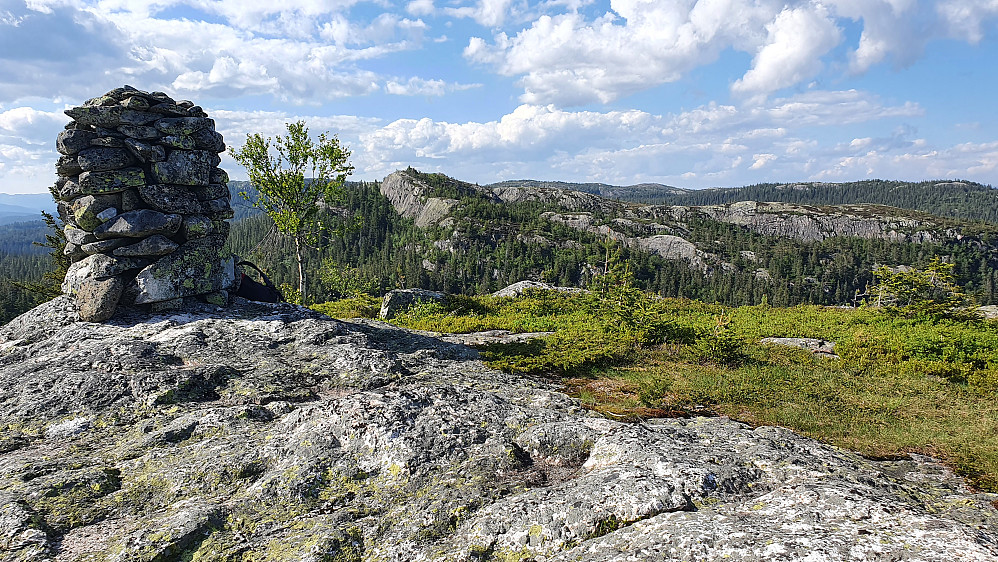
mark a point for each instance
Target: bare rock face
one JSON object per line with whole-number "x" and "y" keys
{"x": 134, "y": 170}
{"x": 272, "y": 432}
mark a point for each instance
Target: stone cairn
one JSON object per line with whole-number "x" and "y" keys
{"x": 144, "y": 204}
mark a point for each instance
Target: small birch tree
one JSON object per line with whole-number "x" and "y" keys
{"x": 293, "y": 177}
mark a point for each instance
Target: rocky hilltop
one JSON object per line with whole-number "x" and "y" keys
{"x": 271, "y": 432}
{"x": 665, "y": 230}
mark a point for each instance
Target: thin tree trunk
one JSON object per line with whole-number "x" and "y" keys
{"x": 301, "y": 271}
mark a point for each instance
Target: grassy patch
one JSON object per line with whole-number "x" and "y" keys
{"x": 902, "y": 385}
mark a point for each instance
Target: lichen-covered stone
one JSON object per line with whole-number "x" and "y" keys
{"x": 108, "y": 142}
{"x": 72, "y": 141}
{"x": 104, "y": 159}
{"x": 208, "y": 139}
{"x": 130, "y": 200}
{"x": 211, "y": 191}
{"x": 155, "y": 245}
{"x": 145, "y": 152}
{"x": 139, "y": 224}
{"x": 196, "y": 267}
{"x": 170, "y": 198}
{"x": 184, "y": 167}
{"x": 68, "y": 166}
{"x": 218, "y": 176}
{"x": 78, "y": 236}
{"x": 401, "y": 299}
{"x": 98, "y": 298}
{"x": 178, "y": 141}
{"x": 105, "y": 246}
{"x": 97, "y": 266}
{"x": 185, "y": 126}
{"x": 97, "y": 115}
{"x": 86, "y": 209}
{"x": 140, "y": 132}
{"x": 217, "y": 208}
{"x": 91, "y": 183}
{"x": 271, "y": 432}
{"x": 196, "y": 226}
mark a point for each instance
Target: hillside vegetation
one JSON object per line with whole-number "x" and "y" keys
{"x": 921, "y": 384}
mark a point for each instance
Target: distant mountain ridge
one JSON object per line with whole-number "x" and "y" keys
{"x": 626, "y": 192}
{"x": 948, "y": 198}
{"x": 24, "y": 207}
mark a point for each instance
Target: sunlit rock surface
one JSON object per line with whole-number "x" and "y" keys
{"x": 270, "y": 432}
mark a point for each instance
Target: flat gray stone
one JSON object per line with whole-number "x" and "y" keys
{"x": 104, "y": 159}
{"x": 186, "y": 126}
{"x": 139, "y": 224}
{"x": 140, "y": 132}
{"x": 184, "y": 167}
{"x": 155, "y": 245}
{"x": 146, "y": 152}
{"x": 104, "y": 246}
{"x": 78, "y": 236}
{"x": 170, "y": 198}
{"x": 68, "y": 166}
{"x": 91, "y": 183}
{"x": 73, "y": 141}
{"x": 196, "y": 226}
{"x": 99, "y": 116}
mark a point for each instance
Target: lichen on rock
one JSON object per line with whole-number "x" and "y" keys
{"x": 271, "y": 432}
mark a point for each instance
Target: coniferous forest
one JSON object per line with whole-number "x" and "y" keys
{"x": 488, "y": 246}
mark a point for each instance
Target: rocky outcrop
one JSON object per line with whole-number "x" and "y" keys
{"x": 397, "y": 301}
{"x": 411, "y": 199}
{"x": 811, "y": 224}
{"x": 143, "y": 202}
{"x": 272, "y": 432}
{"x": 518, "y": 288}
{"x": 818, "y": 347}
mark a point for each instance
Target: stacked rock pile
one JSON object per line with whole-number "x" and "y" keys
{"x": 144, "y": 203}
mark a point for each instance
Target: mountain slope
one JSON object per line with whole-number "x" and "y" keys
{"x": 732, "y": 252}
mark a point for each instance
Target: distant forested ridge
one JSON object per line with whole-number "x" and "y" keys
{"x": 482, "y": 238}
{"x": 957, "y": 199}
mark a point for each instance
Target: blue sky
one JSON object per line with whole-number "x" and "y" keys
{"x": 691, "y": 93}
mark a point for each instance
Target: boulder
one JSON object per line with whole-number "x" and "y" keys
{"x": 816, "y": 346}
{"x": 92, "y": 183}
{"x": 96, "y": 267}
{"x": 196, "y": 267}
{"x": 139, "y": 224}
{"x": 72, "y": 141}
{"x": 98, "y": 298}
{"x": 401, "y": 299}
{"x": 170, "y": 198}
{"x": 104, "y": 159}
{"x": 155, "y": 245}
{"x": 184, "y": 167}
{"x": 518, "y": 288}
